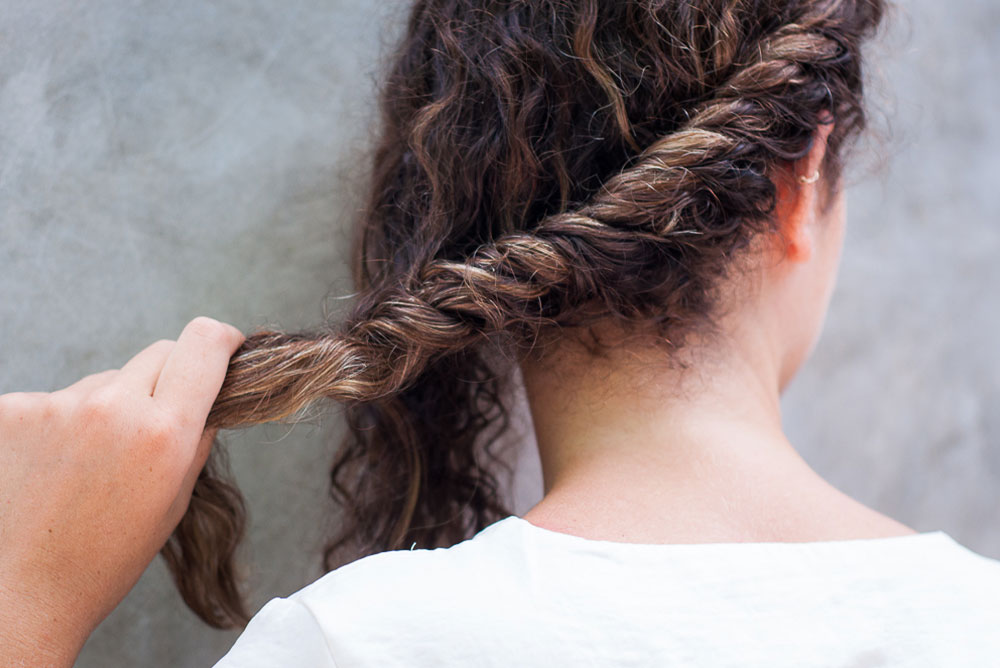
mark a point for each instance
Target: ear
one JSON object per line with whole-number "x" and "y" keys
{"x": 796, "y": 200}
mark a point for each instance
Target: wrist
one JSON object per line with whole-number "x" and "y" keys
{"x": 34, "y": 630}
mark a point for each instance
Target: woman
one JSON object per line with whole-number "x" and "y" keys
{"x": 635, "y": 204}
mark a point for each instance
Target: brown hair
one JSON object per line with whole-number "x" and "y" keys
{"x": 541, "y": 165}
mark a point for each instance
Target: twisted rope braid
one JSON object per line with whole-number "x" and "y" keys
{"x": 696, "y": 191}
{"x": 527, "y": 279}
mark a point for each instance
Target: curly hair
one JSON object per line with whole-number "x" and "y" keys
{"x": 541, "y": 165}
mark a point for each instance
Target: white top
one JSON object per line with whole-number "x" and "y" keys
{"x": 520, "y": 595}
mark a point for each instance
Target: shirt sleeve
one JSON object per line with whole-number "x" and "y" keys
{"x": 282, "y": 633}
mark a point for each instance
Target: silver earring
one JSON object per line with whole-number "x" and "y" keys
{"x": 810, "y": 179}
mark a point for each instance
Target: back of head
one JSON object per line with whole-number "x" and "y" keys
{"x": 540, "y": 165}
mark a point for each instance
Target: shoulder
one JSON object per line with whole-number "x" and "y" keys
{"x": 386, "y": 603}
{"x": 405, "y": 585}
{"x": 961, "y": 565}
{"x": 283, "y": 632}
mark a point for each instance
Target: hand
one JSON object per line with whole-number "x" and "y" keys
{"x": 93, "y": 480}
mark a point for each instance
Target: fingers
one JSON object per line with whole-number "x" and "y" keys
{"x": 15, "y": 402}
{"x": 139, "y": 372}
{"x": 89, "y": 383}
{"x": 194, "y": 370}
{"x": 143, "y": 370}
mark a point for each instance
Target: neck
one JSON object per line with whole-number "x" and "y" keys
{"x": 636, "y": 450}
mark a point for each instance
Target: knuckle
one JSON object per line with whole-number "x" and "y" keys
{"x": 15, "y": 403}
{"x": 98, "y": 377}
{"x": 184, "y": 422}
{"x": 163, "y": 343}
{"x": 51, "y": 407}
{"x": 209, "y": 329}
{"x": 102, "y": 404}
{"x": 163, "y": 443}
{"x": 46, "y": 407}
{"x": 60, "y": 402}
{"x": 161, "y": 431}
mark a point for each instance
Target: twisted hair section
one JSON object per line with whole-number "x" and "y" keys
{"x": 541, "y": 166}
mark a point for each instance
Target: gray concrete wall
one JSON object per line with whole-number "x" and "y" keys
{"x": 164, "y": 160}
{"x": 900, "y": 404}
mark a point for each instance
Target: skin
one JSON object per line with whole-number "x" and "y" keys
{"x": 636, "y": 450}
{"x": 94, "y": 479}
{"x": 96, "y": 476}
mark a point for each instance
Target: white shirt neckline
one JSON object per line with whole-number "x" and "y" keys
{"x": 891, "y": 543}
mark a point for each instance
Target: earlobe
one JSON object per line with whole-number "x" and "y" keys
{"x": 791, "y": 213}
{"x": 796, "y": 190}
{"x": 800, "y": 247}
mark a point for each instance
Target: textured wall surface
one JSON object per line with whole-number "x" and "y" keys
{"x": 164, "y": 160}
{"x": 900, "y": 404}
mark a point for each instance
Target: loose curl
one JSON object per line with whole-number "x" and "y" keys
{"x": 541, "y": 165}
